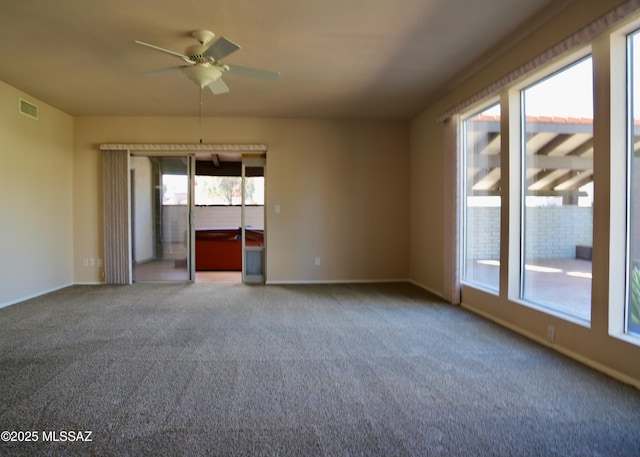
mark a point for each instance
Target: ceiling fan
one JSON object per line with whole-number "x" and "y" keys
{"x": 202, "y": 62}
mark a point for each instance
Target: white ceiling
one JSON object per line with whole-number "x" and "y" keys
{"x": 338, "y": 58}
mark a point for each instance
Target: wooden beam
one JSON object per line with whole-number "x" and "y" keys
{"x": 540, "y": 175}
{"x": 584, "y": 147}
{"x": 484, "y": 141}
{"x": 553, "y": 144}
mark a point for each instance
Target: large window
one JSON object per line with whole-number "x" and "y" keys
{"x": 481, "y": 240}
{"x": 557, "y": 217}
{"x": 632, "y": 318}
{"x": 568, "y": 124}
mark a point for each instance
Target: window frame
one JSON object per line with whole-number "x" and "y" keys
{"x": 630, "y": 90}
{"x": 532, "y": 80}
{"x": 467, "y": 115}
{"x": 621, "y": 118}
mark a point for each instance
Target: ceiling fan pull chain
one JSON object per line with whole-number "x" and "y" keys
{"x": 200, "y": 115}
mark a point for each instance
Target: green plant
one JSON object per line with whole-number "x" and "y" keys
{"x": 634, "y": 305}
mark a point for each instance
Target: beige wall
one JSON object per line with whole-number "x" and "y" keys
{"x": 591, "y": 344}
{"x": 36, "y": 165}
{"x": 342, "y": 187}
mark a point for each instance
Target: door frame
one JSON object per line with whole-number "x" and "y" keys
{"x": 158, "y": 210}
{"x": 254, "y": 161}
{"x": 117, "y": 247}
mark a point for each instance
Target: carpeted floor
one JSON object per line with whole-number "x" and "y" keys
{"x": 326, "y": 370}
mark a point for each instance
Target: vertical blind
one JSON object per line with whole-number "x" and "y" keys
{"x": 117, "y": 247}
{"x": 451, "y": 273}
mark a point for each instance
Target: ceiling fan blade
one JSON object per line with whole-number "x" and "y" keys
{"x": 218, "y": 87}
{"x": 166, "y": 51}
{"x": 253, "y": 72}
{"x": 221, "y": 48}
{"x": 163, "y": 70}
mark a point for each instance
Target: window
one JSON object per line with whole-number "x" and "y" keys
{"x": 632, "y": 318}
{"x": 227, "y": 190}
{"x": 557, "y": 219}
{"x": 175, "y": 189}
{"x": 481, "y": 219}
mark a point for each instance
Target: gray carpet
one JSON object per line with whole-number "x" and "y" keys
{"x": 327, "y": 370}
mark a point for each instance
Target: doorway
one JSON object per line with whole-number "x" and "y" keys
{"x": 229, "y": 218}
{"x": 143, "y": 227}
{"x": 161, "y": 215}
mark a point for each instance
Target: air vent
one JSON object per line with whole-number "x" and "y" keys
{"x": 28, "y": 109}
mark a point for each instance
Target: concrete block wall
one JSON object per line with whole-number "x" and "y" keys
{"x": 483, "y": 233}
{"x": 552, "y": 232}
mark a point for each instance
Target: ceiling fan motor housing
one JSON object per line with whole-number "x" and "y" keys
{"x": 196, "y": 53}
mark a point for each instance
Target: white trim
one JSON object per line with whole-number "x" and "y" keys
{"x": 548, "y": 310}
{"x": 628, "y": 338}
{"x": 620, "y": 185}
{"x": 332, "y": 281}
{"x": 426, "y": 288}
{"x": 36, "y": 295}
{"x": 185, "y": 147}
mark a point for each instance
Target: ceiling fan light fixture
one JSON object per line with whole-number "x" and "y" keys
{"x": 202, "y": 74}
{"x": 202, "y": 63}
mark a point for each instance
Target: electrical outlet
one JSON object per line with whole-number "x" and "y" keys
{"x": 92, "y": 262}
{"x": 317, "y": 263}
{"x": 551, "y": 334}
{"x": 85, "y": 263}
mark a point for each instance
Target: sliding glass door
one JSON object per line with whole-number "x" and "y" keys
{"x": 253, "y": 222}
{"x": 161, "y": 217}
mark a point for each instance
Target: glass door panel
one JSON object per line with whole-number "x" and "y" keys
{"x": 161, "y": 218}
{"x": 253, "y": 220}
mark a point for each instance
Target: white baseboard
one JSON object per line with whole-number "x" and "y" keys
{"x": 428, "y": 289}
{"x": 332, "y": 281}
{"x": 38, "y": 294}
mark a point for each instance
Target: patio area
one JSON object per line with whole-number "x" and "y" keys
{"x": 560, "y": 284}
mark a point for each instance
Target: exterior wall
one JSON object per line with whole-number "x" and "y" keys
{"x": 36, "y": 166}
{"x": 552, "y": 232}
{"x": 483, "y": 237}
{"x": 228, "y": 216}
